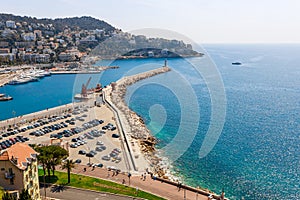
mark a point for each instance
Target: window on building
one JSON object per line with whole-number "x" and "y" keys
{"x": 12, "y": 176}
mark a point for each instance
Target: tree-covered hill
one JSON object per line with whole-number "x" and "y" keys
{"x": 83, "y": 23}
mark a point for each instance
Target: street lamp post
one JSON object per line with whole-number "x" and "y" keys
{"x": 129, "y": 175}
{"x": 14, "y": 115}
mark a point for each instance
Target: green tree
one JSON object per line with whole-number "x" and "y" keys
{"x": 24, "y": 195}
{"x": 58, "y": 154}
{"x": 51, "y": 156}
{"x": 8, "y": 196}
{"x": 69, "y": 165}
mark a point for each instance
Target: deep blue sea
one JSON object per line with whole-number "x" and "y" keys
{"x": 256, "y": 154}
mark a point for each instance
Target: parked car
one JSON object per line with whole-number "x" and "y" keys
{"x": 99, "y": 165}
{"x": 99, "y": 148}
{"x": 81, "y": 152}
{"x": 89, "y": 155}
{"x": 115, "y": 135}
{"x": 107, "y": 158}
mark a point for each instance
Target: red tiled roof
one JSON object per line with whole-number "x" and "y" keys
{"x": 19, "y": 154}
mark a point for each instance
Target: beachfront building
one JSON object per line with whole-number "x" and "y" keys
{"x": 18, "y": 170}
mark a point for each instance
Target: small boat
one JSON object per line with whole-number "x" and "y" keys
{"x": 18, "y": 81}
{"x": 236, "y": 63}
{"x": 82, "y": 97}
{"x": 45, "y": 73}
{"x": 6, "y": 98}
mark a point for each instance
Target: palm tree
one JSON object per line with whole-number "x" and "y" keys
{"x": 69, "y": 165}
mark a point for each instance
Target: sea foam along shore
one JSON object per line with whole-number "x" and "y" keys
{"x": 142, "y": 143}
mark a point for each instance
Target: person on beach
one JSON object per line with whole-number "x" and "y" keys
{"x": 123, "y": 181}
{"x": 144, "y": 178}
{"x": 84, "y": 169}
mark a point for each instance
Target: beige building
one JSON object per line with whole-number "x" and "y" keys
{"x": 19, "y": 170}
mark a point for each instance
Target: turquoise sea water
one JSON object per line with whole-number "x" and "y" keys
{"x": 257, "y": 155}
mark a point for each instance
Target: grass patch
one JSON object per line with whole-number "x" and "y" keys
{"x": 1, "y": 192}
{"x": 96, "y": 184}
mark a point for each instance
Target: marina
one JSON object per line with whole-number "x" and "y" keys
{"x": 29, "y": 76}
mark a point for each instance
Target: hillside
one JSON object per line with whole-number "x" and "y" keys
{"x": 125, "y": 46}
{"x": 31, "y": 40}
{"x": 74, "y": 23}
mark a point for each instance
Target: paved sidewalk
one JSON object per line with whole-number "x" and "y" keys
{"x": 153, "y": 186}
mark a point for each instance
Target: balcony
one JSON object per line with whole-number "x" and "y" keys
{"x": 9, "y": 175}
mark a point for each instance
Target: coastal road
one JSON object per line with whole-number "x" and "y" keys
{"x": 67, "y": 193}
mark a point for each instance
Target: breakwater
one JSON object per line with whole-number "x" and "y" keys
{"x": 140, "y": 142}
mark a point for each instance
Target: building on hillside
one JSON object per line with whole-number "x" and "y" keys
{"x": 11, "y": 24}
{"x": 19, "y": 170}
{"x": 29, "y": 36}
{"x": 7, "y": 57}
{"x": 4, "y": 50}
{"x": 4, "y": 44}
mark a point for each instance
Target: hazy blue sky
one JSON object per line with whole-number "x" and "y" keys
{"x": 204, "y": 21}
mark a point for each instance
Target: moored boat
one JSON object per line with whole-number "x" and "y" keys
{"x": 236, "y": 63}
{"x": 6, "y": 98}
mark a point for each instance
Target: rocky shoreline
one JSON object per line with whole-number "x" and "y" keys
{"x": 137, "y": 128}
{"x": 137, "y": 131}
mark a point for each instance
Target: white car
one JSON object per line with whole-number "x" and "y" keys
{"x": 106, "y": 158}
{"x": 73, "y": 145}
{"x": 100, "y": 148}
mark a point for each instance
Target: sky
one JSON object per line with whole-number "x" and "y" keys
{"x": 203, "y": 21}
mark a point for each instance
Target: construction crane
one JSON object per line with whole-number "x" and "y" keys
{"x": 84, "y": 88}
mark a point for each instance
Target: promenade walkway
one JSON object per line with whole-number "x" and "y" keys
{"x": 154, "y": 186}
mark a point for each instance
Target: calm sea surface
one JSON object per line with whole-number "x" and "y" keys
{"x": 256, "y": 156}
